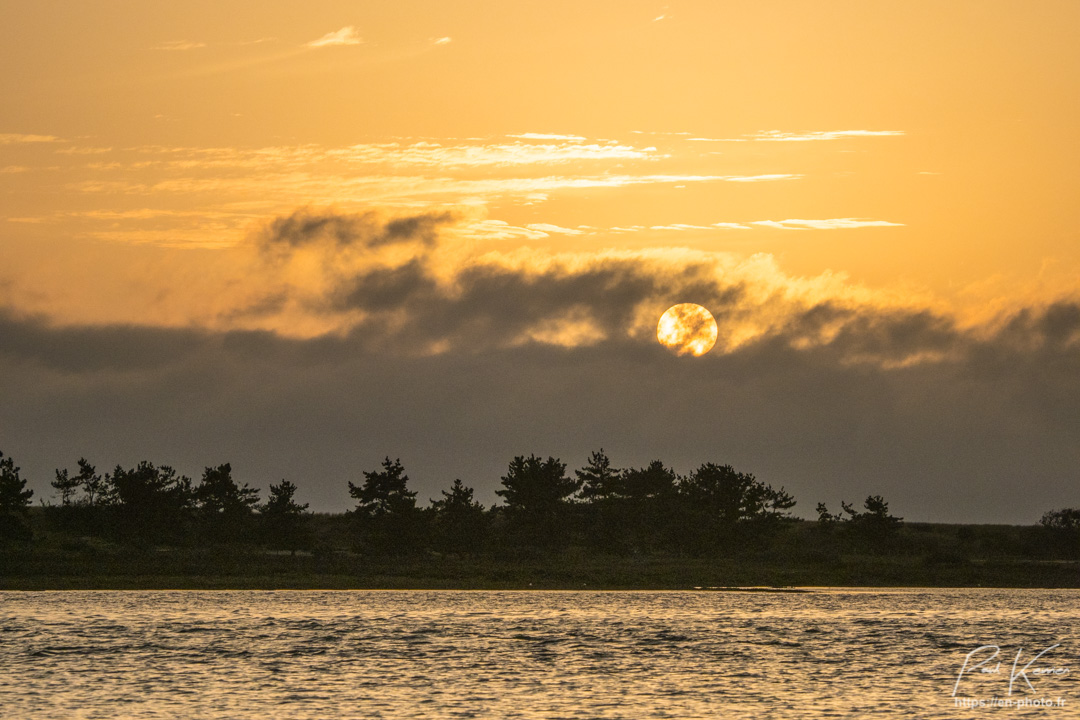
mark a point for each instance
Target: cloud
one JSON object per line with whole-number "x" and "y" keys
{"x": 345, "y": 36}
{"x": 18, "y": 138}
{"x": 402, "y": 283}
{"x": 680, "y": 226}
{"x": 837, "y": 400}
{"x": 77, "y": 150}
{"x": 494, "y": 154}
{"x": 830, "y": 224}
{"x": 179, "y": 45}
{"x": 548, "y": 136}
{"x": 371, "y": 229}
{"x": 442, "y": 41}
{"x": 781, "y": 136}
{"x": 549, "y": 228}
{"x": 762, "y": 178}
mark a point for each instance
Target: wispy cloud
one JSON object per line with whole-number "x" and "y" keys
{"x": 345, "y": 36}
{"x": 17, "y": 138}
{"x": 680, "y": 226}
{"x": 547, "y": 136}
{"x": 762, "y": 178}
{"x": 780, "y": 136}
{"x": 516, "y": 153}
{"x": 830, "y": 224}
{"x": 179, "y": 45}
{"x": 79, "y": 150}
{"x": 442, "y": 41}
{"x": 556, "y": 229}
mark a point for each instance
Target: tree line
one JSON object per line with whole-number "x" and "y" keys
{"x": 543, "y": 506}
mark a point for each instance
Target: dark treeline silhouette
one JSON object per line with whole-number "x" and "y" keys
{"x": 714, "y": 511}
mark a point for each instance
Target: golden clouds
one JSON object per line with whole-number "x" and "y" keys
{"x": 345, "y": 36}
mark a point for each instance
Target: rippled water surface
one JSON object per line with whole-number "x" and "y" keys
{"x": 409, "y": 654}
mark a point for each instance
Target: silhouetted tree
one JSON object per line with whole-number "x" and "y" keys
{"x": 386, "y": 509}
{"x": 150, "y": 503}
{"x": 646, "y": 501}
{"x": 536, "y": 493}
{"x": 1063, "y": 527}
{"x": 14, "y": 500}
{"x": 874, "y": 525}
{"x": 598, "y": 512}
{"x": 717, "y": 497}
{"x": 459, "y": 522}
{"x": 79, "y": 513}
{"x": 93, "y": 485}
{"x": 876, "y": 513}
{"x": 1063, "y": 520}
{"x": 597, "y": 479}
{"x": 282, "y": 519}
{"x": 729, "y": 496}
{"x": 826, "y": 518}
{"x": 66, "y": 486}
{"x": 225, "y": 509}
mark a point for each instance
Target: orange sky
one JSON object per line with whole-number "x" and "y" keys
{"x": 920, "y": 149}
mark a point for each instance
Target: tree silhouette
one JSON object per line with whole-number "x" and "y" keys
{"x": 717, "y": 497}
{"x": 150, "y": 503}
{"x": 80, "y": 514}
{"x": 14, "y": 500}
{"x": 93, "y": 485}
{"x": 876, "y": 514}
{"x": 386, "y": 509}
{"x": 459, "y": 523}
{"x": 536, "y": 493}
{"x": 728, "y": 496}
{"x": 225, "y": 508}
{"x": 66, "y": 486}
{"x": 282, "y": 519}
{"x": 874, "y": 526}
{"x": 597, "y": 479}
{"x": 646, "y": 500}
{"x": 1066, "y": 520}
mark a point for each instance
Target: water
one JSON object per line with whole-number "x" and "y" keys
{"x": 419, "y": 654}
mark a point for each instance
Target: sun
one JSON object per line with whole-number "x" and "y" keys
{"x": 687, "y": 329}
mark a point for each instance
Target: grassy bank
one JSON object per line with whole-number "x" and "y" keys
{"x": 799, "y": 555}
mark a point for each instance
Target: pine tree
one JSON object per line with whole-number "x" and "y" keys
{"x": 225, "y": 508}
{"x": 597, "y": 479}
{"x": 386, "y": 511}
{"x": 459, "y": 521}
{"x": 282, "y": 519}
{"x": 66, "y": 486}
{"x": 14, "y": 500}
{"x": 537, "y": 494}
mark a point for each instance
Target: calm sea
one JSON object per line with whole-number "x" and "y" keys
{"x": 419, "y": 654}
